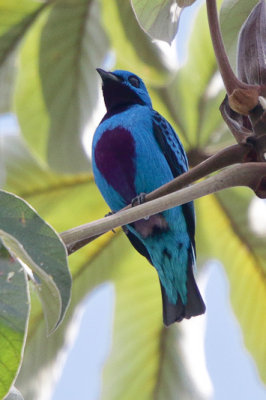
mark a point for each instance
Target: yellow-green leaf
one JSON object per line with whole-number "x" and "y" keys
{"x": 133, "y": 49}
{"x": 57, "y": 81}
{"x": 14, "y": 311}
{"x": 34, "y": 242}
{"x": 223, "y": 233}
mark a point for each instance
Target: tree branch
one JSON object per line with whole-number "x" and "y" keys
{"x": 252, "y": 175}
{"x": 231, "y": 155}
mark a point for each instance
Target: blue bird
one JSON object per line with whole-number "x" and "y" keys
{"x": 134, "y": 151}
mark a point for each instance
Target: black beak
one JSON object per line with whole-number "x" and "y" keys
{"x": 107, "y": 76}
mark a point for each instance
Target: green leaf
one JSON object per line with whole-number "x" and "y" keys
{"x": 134, "y": 50}
{"x": 232, "y": 16}
{"x": 15, "y": 19}
{"x": 2, "y": 165}
{"x": 14, "y": 311}
{"x": 34, "y": 242}
{"x": 224, "y": 233}
{"x": 57, "y": 80}
{"x": 7, "y": 79}
{"x": 140, "y": 339}
{"x": 158, "y": 18}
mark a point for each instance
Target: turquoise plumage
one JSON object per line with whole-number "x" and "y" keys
{"x": 135, "y": 150}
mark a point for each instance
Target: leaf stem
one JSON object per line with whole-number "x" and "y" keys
{"x": 230, "y": 80}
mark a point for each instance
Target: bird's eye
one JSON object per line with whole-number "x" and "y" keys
{"x": 134, "y": 81}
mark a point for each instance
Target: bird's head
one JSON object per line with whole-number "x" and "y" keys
{"x": 122, "y": 88}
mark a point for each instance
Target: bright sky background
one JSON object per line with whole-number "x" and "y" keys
{"x": 231, "y": 369}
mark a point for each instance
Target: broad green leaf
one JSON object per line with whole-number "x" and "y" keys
{"x": 145, "y": 360}
{"x": 7, "y": 78}
{"x": 14, "y": 394}
{"x": 224, "y": 233}
{"x": 29, "y": 102}
{"x": 233, "y": 14}
{"x": 14, "y": 311}
{"x": 158, "y": 18}
{"x": 34, "y": 242}
{"x": 15, "y": 18}
{"x": 57, "y": 80}
{"x": 134, "y": 50}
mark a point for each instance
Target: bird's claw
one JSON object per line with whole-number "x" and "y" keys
{"x": 140, "y": 199}
{"x": 108, "y": 215}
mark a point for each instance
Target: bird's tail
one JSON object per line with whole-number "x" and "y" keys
{"x": 193, "y": 307}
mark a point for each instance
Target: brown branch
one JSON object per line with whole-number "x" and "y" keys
{"x": 229, "y": 156}
{"x": 251, "y": 175}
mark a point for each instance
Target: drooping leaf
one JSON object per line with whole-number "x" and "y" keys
{"x": 233, "y": 13}
{"x": 14, "y": 311}
{"x": 224, "y": 233}
{"x": 34, "y": 242}
{"x": 57, "y": 80}
{"x": 158, "y": 18}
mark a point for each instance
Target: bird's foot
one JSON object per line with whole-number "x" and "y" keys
{"x": 108, "y": 215}
{"x": 140, "y": 199}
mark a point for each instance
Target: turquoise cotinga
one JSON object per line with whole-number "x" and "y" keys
{"x": 135, "y": 150}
